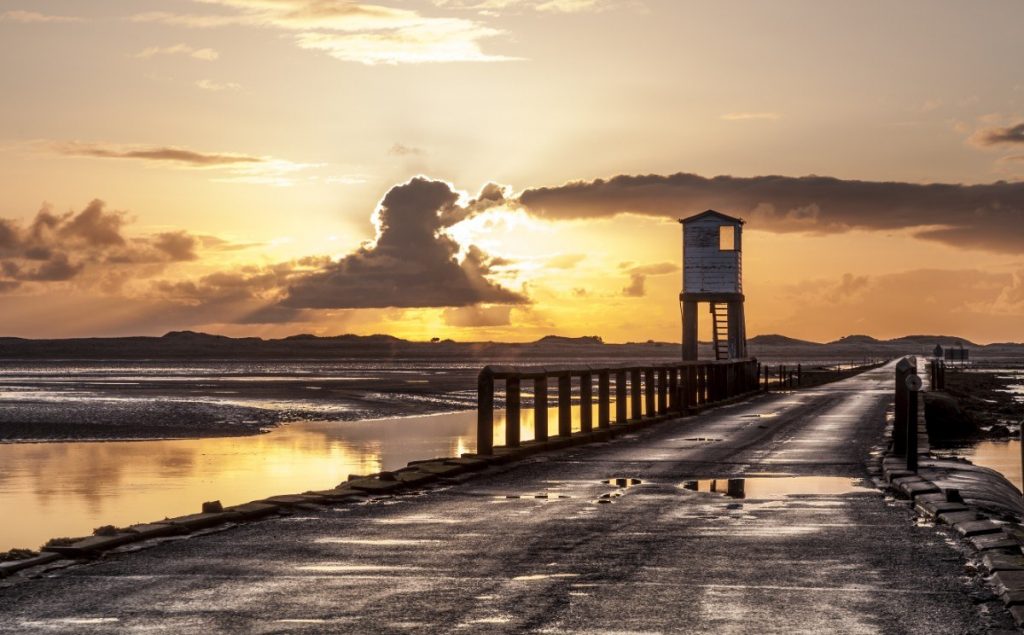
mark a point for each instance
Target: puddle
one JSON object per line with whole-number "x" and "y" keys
{"x": 380, "y": 542}
{"x": 542, "y": 496}
{"x": 355, "y": 568}
{"x": 774, "y": 486}
{"x": 624, "y": 483}
{"x": 764, "y": 415}
{"x": 704, "y": 439}
{"x": 543, "y": 576}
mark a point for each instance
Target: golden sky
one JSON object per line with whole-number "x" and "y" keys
{"x": 507, "y": 169}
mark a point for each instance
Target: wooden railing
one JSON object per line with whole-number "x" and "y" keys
{"x": 651, "y": 391}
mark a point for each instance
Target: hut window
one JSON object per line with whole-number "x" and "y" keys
{"x": 727, "y": 238}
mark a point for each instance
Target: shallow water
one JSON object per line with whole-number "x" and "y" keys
{"x": 1002, "y": 456}
{"x": 68, "y": 489}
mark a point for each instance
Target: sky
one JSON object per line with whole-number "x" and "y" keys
{"x": 507, "y": 169}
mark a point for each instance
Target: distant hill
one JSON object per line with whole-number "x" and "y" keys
{"x": 179, "y": 345}
{"x": 778, "y": 340}
{"x": 856, "y": 339}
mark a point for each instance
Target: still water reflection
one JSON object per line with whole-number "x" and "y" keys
{"x": 68, "y": 489}
{"x": 1002, "y": 456}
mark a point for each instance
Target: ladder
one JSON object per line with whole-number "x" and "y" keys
{"x": 720, "y": 329}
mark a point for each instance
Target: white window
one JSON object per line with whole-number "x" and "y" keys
{"x": 727, "y": 238}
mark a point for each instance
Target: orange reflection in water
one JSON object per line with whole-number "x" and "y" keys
{"x": 68, "y": 489}
{"x": 1001, "y": 456}
{"x": 527, "y": 417}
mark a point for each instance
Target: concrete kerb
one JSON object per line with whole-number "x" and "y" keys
{"x": 416, "y": 475}
{"x": 999, "y": 546}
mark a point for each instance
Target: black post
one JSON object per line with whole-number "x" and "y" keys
{"x": 512, "y": 419}
{"x": 485, "y": 413}
{"x": 662, "y": 391}
{"x": 673, "y": 389}
{"x": 621, "y": 397}
{"x": 540, "y": 409}
{"x": 912, "y": 428}
{"x": 650, "y": 408}
{"x": 636, "y": 395}
{"x": 565, "y": 405}
{"x": 603, "y": 397}
{"x": 899, "y": 424}
{"x": 586, "y": 405}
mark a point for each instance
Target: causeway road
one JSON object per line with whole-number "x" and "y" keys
{"x": 547, "y": 545}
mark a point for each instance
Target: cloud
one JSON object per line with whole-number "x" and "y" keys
{"x": 210, "y": 85}
{"x": 747, "y": 116}
{"x": 412, "y": 263}
{"x": 986, "y": 216}
{"x": 60, "y": 247}
{"x": 177, "y": 245}
{"x": 1011, "y": 135}
{"x": 205, "y": 54}
{"x": 351, "y": 32}
{"x": 402, "y": 150}
{"x": 33, "y": 17}
{"x": 240, "y": 168}
{"x": 638, "y": 276}
{"x": 477, "y": 316}
{"x": 964, "y": 302}
{"x": 543, "y": 6}
{"x": 167, "y": 154}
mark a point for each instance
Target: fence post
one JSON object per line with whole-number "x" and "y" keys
{"x": 899, "y": 424}
{"x": 540, "y": 408}
{"x": 649, "y": 405}
{"x": 799, "y": 375}
{"x": 662, "y": 391}
{"x": 565, "y": 404}
{"x": 913, "y": 388}
{"x": 673, "y": 389}
{"x": 485, "y": 413}
{"x": 636, "y": 395}
{"x": 621, "y": 397}
{"x": 603, "y": 397}
{"x": 512, "y": 412}
{"x": 702, "y": 384}
{"x": 586, "y": 405}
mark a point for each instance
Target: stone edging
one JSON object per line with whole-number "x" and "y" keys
{"x": 999, "y": 545}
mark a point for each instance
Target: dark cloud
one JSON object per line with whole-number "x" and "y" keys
{"x": 92, "y": 226}
{"x": 987, "y": 216}
{"x": 248, "y": 295}
{"x": 56, "y": 269}
{"x": 177, "y": 245}
{"x": 413, "y": 262}
{"x": 60, "y": 247}
{"x": 154, "y": 153}
{"x": 478, "y": 316}
{"x": 638, "y": 276}
{"x": 997, "y": 136}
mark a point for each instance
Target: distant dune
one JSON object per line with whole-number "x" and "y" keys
{"x": 193, "y": 345}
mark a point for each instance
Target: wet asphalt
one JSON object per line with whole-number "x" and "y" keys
{"x": 548, "y": 546}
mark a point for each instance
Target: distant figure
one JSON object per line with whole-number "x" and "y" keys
{"x": 937, "y": 351}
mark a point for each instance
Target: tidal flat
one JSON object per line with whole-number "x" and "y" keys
{"x": 118, "y": 400}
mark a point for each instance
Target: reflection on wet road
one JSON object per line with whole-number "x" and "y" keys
{"x": 806, "y": 548}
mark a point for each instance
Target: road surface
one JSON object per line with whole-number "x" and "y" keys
{"x": 548, "y": 546}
